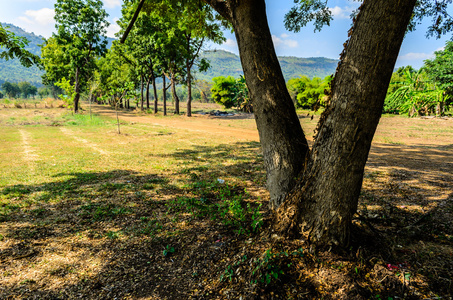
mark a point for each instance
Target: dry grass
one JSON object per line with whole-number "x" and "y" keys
{"x": 86, "y": 212}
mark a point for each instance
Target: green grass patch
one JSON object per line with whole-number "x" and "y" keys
{"x": 84, "y": 120}
{"x": 222, "y": 203}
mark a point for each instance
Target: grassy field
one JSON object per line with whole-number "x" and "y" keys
{"x": 175, "y": 207}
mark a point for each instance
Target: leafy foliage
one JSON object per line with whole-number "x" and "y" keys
{"x": 71, "y": 53}
{"x": 23, "y": 88}
{"x": 231, "y": 92}
{"x": 306, "y": 11}
{"x": 425, "y": 91}
{"x": 440, "y": 69}
{"x": 309, "y": 93}
{"x": 414, "y": 93}
{"x": 15, "y": 48}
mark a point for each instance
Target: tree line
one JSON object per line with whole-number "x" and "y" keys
{"x": 427, "y": 91}
{"x": 165, "y": 44}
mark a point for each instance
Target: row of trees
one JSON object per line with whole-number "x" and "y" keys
{"x": 22, "y": 89}
{"x": 165, "y": 43}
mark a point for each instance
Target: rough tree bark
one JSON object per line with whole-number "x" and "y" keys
{"x": 189, "y": 91}
{"x": 148, "y": 81}
{"x": 322, "y": 204}
{"x": 283, "y": 142}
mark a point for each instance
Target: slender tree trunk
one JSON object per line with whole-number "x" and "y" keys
{"x": 147, "y": 92}
{"x": 282, "y": 140}
{"x": 164, "y": 95}
{"x": 189, "y": 79}
{"x": 323, "y": 203}
{"x": 189, "y": 91}
{"x": 142, "y": 100}
{"x": 173, "y": 92}
{"x": 77, "y": 91}
{"x": 155, "y": 94}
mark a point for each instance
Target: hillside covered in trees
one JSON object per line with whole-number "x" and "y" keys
{"x": 222, "y": 63}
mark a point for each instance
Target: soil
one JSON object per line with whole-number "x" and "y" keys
{"x": 401, "y": 246}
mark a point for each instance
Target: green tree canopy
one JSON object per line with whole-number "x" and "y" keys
{"x": 81, "y": 26}
{"x": 14, "y": 48}
{"x": 440, "y": 69}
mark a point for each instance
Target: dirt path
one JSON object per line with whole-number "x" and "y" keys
{"x": 85, "y": 142}
{"x": 197, "y": 123}
{"x": 29, "y": 153}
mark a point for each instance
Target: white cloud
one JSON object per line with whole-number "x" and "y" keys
{"x": 40, "y": 21}
{"x": 112, "y": 3}
{"x": 342, "y": 12}
{"x": 283, "y": 41}
{"x": 416, "y": 56}
{"x": 44, "y": 16}
{"x": 284, "y": 35}
{"x": 113, "y": 28}
{"x": 230, "y": 43}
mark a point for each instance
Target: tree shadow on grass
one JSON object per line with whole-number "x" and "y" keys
{"x": 120, "y": 234}
{"x": 407, "y": 201}
{"x": 102, "y": 235}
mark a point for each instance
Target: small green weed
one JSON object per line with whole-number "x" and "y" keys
{"x": 113, "y": 234}
{"x": 229, "y": 271}
{"x": 102, "y": 212}
{"x": 168, "y": 251}
{"x": 149, "y": 227}
{"x": 269, "y": 268}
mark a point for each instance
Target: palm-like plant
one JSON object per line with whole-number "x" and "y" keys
{"x": 415, "y": 96}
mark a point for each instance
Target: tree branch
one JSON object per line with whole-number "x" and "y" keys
{"x": 131, "y": 24}
{"x": 222, "y": 7}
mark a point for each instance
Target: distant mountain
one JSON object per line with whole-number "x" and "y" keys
{"x": 224, "y": 63}
{"x": 13, "y": 71}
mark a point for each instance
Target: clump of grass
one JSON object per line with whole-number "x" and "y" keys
{"x": 99, "y": 212}
{"x": 220, "y": 202}
{"x": 83, "y": 120}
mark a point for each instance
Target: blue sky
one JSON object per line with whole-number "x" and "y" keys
{"x": 37, "y": 16}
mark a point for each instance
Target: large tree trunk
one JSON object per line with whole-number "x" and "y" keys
{"x": 322, "y": 204}
{"x": 282, "y": 140}
{"x": 325, "y": 199}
